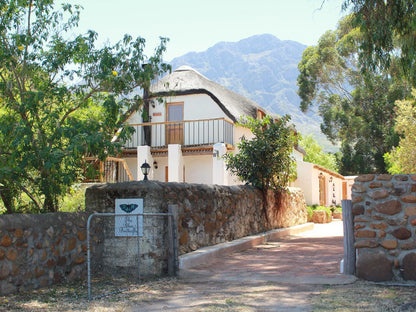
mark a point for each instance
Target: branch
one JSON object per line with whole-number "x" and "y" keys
{"x": 27, "y": 35}
{"x": 70, "y": 111}
{"x": 31, "y": 196}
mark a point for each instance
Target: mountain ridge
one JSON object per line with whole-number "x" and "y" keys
{"x": 262, "y": 68}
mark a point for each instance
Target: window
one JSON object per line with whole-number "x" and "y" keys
{"x": 260, "y": 114}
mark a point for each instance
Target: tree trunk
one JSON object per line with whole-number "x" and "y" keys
{"x": 49, "y": 204}
{"x": 146, "y": 116}
{"x": 7, "y": 198}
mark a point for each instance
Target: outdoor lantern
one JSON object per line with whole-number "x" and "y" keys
{"x": 145, "y": 170}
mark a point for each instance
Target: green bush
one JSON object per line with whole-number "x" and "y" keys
{"x": 312, "y": 208}
{"x": 310, "y": 212}
{"x": 74, "y": 200}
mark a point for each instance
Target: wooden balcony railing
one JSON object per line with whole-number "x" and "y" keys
{"x": 110, "y": 171}
{"x": 187, "y": 133}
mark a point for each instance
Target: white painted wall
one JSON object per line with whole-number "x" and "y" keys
{"x": 218, "y": 164}
{"x": 198, "y": 168}
{"x": 334, "y": 191}
{"x": 195, "y": 106}
{"x": 350, "y": 181}
{"x": 132, "y": 164}
{"x": 159, "y": 173}
{"x": 308, "y": 182}
{"x": 298, "y": 156}
{"x": 175, "y": 163}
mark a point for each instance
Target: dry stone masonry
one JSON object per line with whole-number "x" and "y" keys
{"x": 207, "y": 214}
{"x": 384, "y": 209}
{"x": 41, "y": 250}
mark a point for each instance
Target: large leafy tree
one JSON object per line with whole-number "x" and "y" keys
{"x": 357, "y": 107}
{"x": 315, "y": 154}
{"x": 388, "y": 29}
{"x": 60, "y": 98}
{"x": 265, "y": 161}
{"x": 402, "y": 159}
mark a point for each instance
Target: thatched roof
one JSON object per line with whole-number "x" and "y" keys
{"x": 186, "y": 80}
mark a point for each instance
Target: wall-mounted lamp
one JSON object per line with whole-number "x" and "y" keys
{"x": 145, "y": 170}
{"x": 155, "y": 164}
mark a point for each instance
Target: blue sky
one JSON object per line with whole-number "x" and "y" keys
{"x": 196, "y": 25}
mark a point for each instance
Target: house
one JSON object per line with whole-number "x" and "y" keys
{"x": 320, "y": 185}
{"x": 192, "y": 124}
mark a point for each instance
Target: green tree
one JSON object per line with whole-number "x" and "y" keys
{"x": 315, "y": 154}
{"x": 402, "y": 159}
{"x": 357, "y": 108}
{"x": 61, "y": 99}
{"x": 388, "y": 29}
{"x": 266, "y": 160}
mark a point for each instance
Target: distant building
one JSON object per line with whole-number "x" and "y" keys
{"x": 320, "y": 185}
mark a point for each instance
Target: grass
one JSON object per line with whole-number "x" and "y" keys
{"x": 74, "y": 297}
{"x": 357, "y": 297}
{"x": 365, "y": 296}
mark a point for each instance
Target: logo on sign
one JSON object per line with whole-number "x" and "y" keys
{"x": 127, "y": 222}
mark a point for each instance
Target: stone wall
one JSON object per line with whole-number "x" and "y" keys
{"x": 207, "y": 214}
{"x": 384, "y": 209}
{"x": 41, "y": 250}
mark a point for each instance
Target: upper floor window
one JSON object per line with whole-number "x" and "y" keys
{"x": 260, "y": 114}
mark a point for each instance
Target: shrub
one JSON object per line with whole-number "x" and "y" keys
{"x": 312, "y": 208}
{"x": 74, "y": 200}
{"x": 310, "y": 212}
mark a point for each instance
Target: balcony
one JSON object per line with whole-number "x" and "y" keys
{"x": 186, "y": 133}
{"x": 111, "y": 170}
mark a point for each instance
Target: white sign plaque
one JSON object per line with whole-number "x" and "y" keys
{"x": 125, "y": 222}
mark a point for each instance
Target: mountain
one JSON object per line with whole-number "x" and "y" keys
{"x": 263, "y": 68}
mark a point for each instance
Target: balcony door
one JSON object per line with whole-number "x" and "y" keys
{"x": 174, "y": 131}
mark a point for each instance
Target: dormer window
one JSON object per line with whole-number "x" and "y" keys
{"x": 260, "y": 114}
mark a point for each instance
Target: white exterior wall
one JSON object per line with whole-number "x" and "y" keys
{"x": 307, "y": 181}
{"x": 132, "y": 164}
{"x": 239, "y": 132}
{"x": 219, "y": 173}
{"x": 198, "y": 168}
{"x": 159, "y": 174}
{"x": 175, "y": 163}
{"x": 334, "y": 190}
{"x": 298, "y": 156}
{"x": 350, "y": 181}
{"x": 195, "y": 106}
